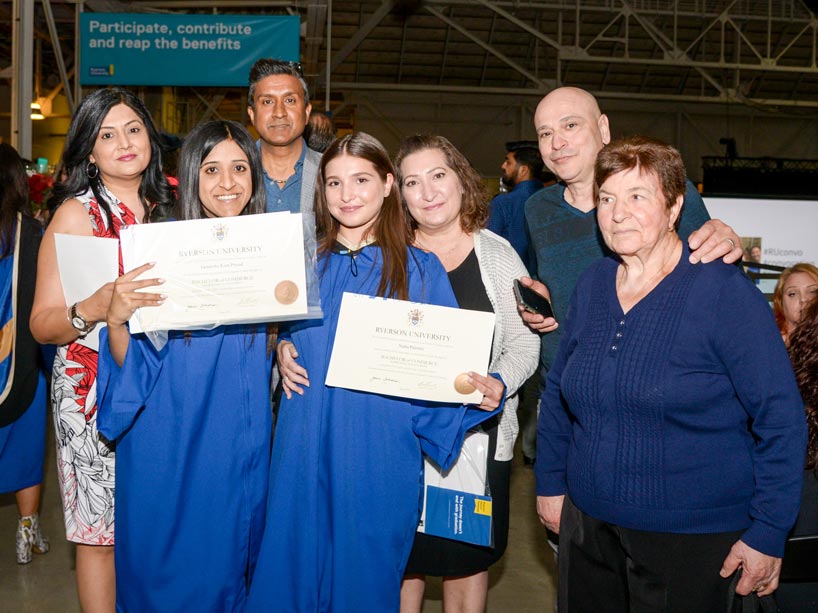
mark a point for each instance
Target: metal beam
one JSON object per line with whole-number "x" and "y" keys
{"x": 342, "y": 86}
{"x": 350, "y": 46}
{"x": 315, "y": 20}
{"x": 481, "y": 43}
{"x": 22, "y": 62}
{"x": 211, "y": 106}
{"x": 667, "y": 45}
{"x": 55, "y": 44}
{"x": 520, "y": 24}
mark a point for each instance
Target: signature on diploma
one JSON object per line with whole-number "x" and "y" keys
{"x": 379, "y": 379}
{"x": 427, "y": 385}
{"x": 249, "y": 301}
{"x": 201, "y": 306}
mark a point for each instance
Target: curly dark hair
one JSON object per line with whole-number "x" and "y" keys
{"x": 803, "y": 350}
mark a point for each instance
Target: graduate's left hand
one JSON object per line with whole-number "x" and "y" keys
{"x": 492, "y": 388}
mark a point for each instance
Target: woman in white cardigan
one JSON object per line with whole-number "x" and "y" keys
{"x": 445, "y": 198}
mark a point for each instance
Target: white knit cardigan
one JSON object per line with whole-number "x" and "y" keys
{"x": 516, "y": 348}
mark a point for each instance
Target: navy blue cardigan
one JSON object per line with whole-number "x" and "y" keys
{"x": 682, "y": 415}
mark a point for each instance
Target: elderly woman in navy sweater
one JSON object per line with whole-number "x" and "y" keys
{"x": 666, "y": 459}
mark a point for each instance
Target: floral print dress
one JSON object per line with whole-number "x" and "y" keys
{"x": 85, "y": 460}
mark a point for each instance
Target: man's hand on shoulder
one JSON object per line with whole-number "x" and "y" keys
{"x": 714, "y": 240}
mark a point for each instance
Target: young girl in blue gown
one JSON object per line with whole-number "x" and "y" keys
{"x": 191, "y": 421}
{"x": 347, "y": 471}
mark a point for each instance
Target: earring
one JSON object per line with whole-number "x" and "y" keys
{"x": 91, "y": 170}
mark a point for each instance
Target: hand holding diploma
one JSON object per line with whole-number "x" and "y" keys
{"x": 492, "y": 389}
{"x": 125, "y": 299}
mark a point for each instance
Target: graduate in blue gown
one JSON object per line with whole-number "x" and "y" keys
{"x": 191, "y": 421}
{"x": 347, "y": 471}
{"x": 22, "y": 380}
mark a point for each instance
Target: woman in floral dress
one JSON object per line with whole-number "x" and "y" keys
{"x": 113, "y": 177}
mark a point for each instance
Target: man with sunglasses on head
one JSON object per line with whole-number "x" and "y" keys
{"x": 279, "y": 107}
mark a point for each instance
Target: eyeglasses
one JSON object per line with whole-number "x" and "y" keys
{"x": 295, "y": 66}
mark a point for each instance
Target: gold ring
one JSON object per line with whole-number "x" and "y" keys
{"x": 732, "y": 244}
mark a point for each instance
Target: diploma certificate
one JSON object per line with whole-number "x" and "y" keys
{"x": 407, "y": 349}
{"x": 217, "y": 271}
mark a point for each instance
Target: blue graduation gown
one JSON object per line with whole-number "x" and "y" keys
{"x": 192, "y": 424}
{"x": 22, "y": 445}
{"x": 347, "y": 471}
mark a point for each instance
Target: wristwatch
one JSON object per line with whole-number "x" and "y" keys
{"x": 79, "y": 322}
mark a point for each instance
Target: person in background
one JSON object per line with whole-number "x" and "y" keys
{"x": 191, "y": 421}
{"x": 752, "y": 255}
{"x": 522, "y": 170}
{"x": 320, "y": 131}
{"x": 666, "y": 460}
{"x": 446, "y": 200}
{"x": 113, "y": 167}
{"x": 346, "y": 471}
{"x": 802, "y": 597}
{"x": 796, "y": 287}
{"x": 23, "y": 396}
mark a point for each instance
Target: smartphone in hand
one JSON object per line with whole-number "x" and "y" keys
{"x": 531, "y": 301}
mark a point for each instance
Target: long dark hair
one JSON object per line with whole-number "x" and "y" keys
{"x": 391, "y": 229}
{"x": 154, "y": 191}
{"x": 198, "y": 145}
{"x": 13, "y": 194}
{"x": 803, "y": 350}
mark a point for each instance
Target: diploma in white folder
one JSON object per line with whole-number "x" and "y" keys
{"x": 86, "y": 263}
{"x": 408, "y": 349}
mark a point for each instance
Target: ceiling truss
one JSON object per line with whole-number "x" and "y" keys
{"x": 759, "y": 53}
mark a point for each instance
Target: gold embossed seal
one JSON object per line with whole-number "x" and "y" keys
{"x": 462, "y": 384}
{"x": 286, "y": 292}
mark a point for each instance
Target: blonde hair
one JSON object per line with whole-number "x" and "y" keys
{"x": 778, "y": 295}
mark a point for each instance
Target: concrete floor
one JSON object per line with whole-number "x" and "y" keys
{"x": 522, "y": 582}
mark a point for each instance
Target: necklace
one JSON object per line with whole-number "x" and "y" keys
{"x": 279, "y": 181}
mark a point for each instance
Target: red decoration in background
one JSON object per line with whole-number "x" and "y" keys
{"x": 39, "y": 188}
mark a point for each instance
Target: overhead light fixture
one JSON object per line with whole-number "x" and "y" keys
{"x": 36, "y": 111}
